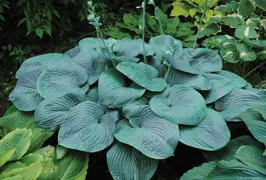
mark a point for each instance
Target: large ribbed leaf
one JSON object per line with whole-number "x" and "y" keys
{"x": 113, "y": 91}
{"x": 73, "y": 52}
{"x": 255, "y": 123}
{"x": 246, "y": 8}
{"x": 42, "y": 62}
{"x": 195, "y": 81}
{"x": 180, "y": 104}
{"x": 252, "y": 157}
{"x": 52, "y": 112}
{"x": 228, "y": 152}
{"x": 61, "y": 151}
{"x": 128, "y": 50}
{"x": 236, "y": 102}
{"x": 197, "y": 61}
{"x": 164, "y": 48}
{"x": 25, "y": 96}
{"x": 31, "y": 172}
{"x": 73, "y": 166}
{"x": 220, "y": 87}
{"x": 88, "y": 128}
{"x": 153, "y": 136}
{"x": 227, "y": 170}
{"x": 210, "y": 134}
{"x": 93, "y": 62}
{"x": 143, "y": 75}
{"x": 18, "y": 140}
{"x": 223, "y": 170}
{"x": 54, "y": 82}
{"x": 133, "y": 109}
{"x": 199, "y": 173}
{"x": 238, "y": 81}
{"x": 126, "y": 163}
{"x": 5, "y": 155}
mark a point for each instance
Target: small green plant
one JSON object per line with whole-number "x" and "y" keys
{"x": 4, "y": 4}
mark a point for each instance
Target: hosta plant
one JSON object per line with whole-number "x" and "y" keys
{"x": 18, "y": 161}
{"x": 103, "y": 94}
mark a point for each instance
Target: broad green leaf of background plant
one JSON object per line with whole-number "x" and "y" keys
{"x": 42, "y": 62}
{"x": 180, "y": 9}
{"x": 210, "y": 134}
{"x": 236, "y": 102}
{"x": 232, "y": 20}
{"x": 88, "y": 127}
{"x": 54, "y": 82}
{"x": 220, "y": 87}
{"x": 245, "y": 31}
{"x": 73, "y": 166}
{"x": 127, "y": 50}
{"x": 198, "y": 82}
{"x": 261, "y": 4}
{"x": 93, "y": 62}
{"x": 246, "y": 8}
{"x": 113, "y": 91}
{"x": 153, "y": 136}
{"x": 143, "y": 75}
{"x": 180, "y": 104}
{"x": 197, "y": 61}
{"x": 228, "y": 152}
{"x": 255, "y": 123}
{"x": 125, "y": 162}
{"x": 52, "y": 112}
{"x": 116, "y": 33}
{"x": 18, "y": 140}
{"x": 25, "y": 96}
{"x": 252, "y": 157}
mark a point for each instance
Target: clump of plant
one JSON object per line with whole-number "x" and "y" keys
{"x": 136, "y": 99}
{"x": 131, "y": 27}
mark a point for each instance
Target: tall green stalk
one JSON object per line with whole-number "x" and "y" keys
{"x": 143, "y": 28}
{"x": 199, "y": 26}
{"x": 157, "y": 15}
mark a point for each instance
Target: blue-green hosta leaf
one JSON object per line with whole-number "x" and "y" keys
{"x": 222, "y": 170}
{"x": 210, "y": 134}
{"x": 197, "y": 61}
{"x": 182, "y": 78}
{"x": 93, "y": 62}
{"x": 88, "y": 128}
{"x": 42, "y": 62}
{"x": 255, "y": 124}
{"x": 238, "y": 81}
{"x": 52, "y": 112}
{"x": 113, "y": 91}
{"x": 25, "y": 96}
{"x": 153, "y": 136}
{"x": 92, "y": 94}
{"x": 180, "y": 104}
{"x": 220, "y": 87}
{"x": 73, "y": 166}
{"x": 200, "y": 172}
{"x": 236, "y": 102}
{"x": 73, "y": 52}
{"x": 252, "y": 157}
{"x": 128, "y": 50}
{"x": 54, "y": 82}
{"x": 18, "y": 140}
{"x": 143, "y": 75}
{"x": 228, "y": 152}
{"x": 164, "y": 47}
{"x": 227, "y": 170}
{"x": 133, "y": 109}
{"x": 246, "y": 8}
{"x": 125, "y": 163}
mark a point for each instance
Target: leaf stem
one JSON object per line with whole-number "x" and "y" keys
{"x": 254, "y": 69}
{"x": 199, "y": 26}
{"x": 170, "y": 64}
{"x": 157, "y": 15}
